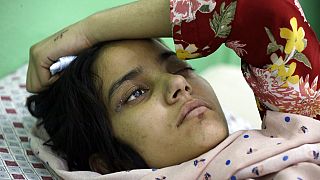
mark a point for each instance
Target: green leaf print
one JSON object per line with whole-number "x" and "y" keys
{"x": 204, "y": 8}
{"x": 220, "y": 24}
{"x": 305, "y": 42}
{"x": 273, "y": 46}
{"x": 302, "y": 58}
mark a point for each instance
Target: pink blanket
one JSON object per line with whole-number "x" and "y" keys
{"x": 287, "y": 148}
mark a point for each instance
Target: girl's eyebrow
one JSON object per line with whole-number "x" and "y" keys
{"x": 128, "y": 76}
{"x": 135, "y": 72}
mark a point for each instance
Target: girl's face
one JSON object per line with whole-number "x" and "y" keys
{"x": 157, "y": 104}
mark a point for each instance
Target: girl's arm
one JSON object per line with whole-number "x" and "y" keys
{"x": 140, "y": 19}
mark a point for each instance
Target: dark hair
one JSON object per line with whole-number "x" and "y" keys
{"x": 75, "y": 117}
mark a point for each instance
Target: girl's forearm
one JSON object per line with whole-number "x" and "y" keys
{"x": 140, "y": 19}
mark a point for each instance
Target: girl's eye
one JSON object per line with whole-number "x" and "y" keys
{"x": 133, "y": 96}
{"x": 136, "y": 94}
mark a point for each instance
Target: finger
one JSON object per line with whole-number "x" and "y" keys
{"x": 54, "y": 78}
{"x": 32, "y": 83}
{"x": 28, "y": 80}
{"x": 37, "y": 80}
{"x": 48, "y": 83}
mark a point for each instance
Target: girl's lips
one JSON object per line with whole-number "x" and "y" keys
{"x": 191, "y": 109}
{"x": 196, "y": 112}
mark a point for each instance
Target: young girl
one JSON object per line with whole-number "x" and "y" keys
{"x": 132, "y": 105}
{"x": 280, "y": 61}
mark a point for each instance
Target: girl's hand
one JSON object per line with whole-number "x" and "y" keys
{"x": 68, "y": 41}
{"x": 140, "y": 19}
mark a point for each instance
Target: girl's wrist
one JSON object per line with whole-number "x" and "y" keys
{"x": 86, "y": 32}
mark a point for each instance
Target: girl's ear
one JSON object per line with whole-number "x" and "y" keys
{"x": 97, "y": 164}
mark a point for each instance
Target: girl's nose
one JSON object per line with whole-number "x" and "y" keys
{"x": 177, "y": 88}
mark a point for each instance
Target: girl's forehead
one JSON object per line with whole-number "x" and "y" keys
{"x": 125, "y": 54}
{"x": 116, "y": 60}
